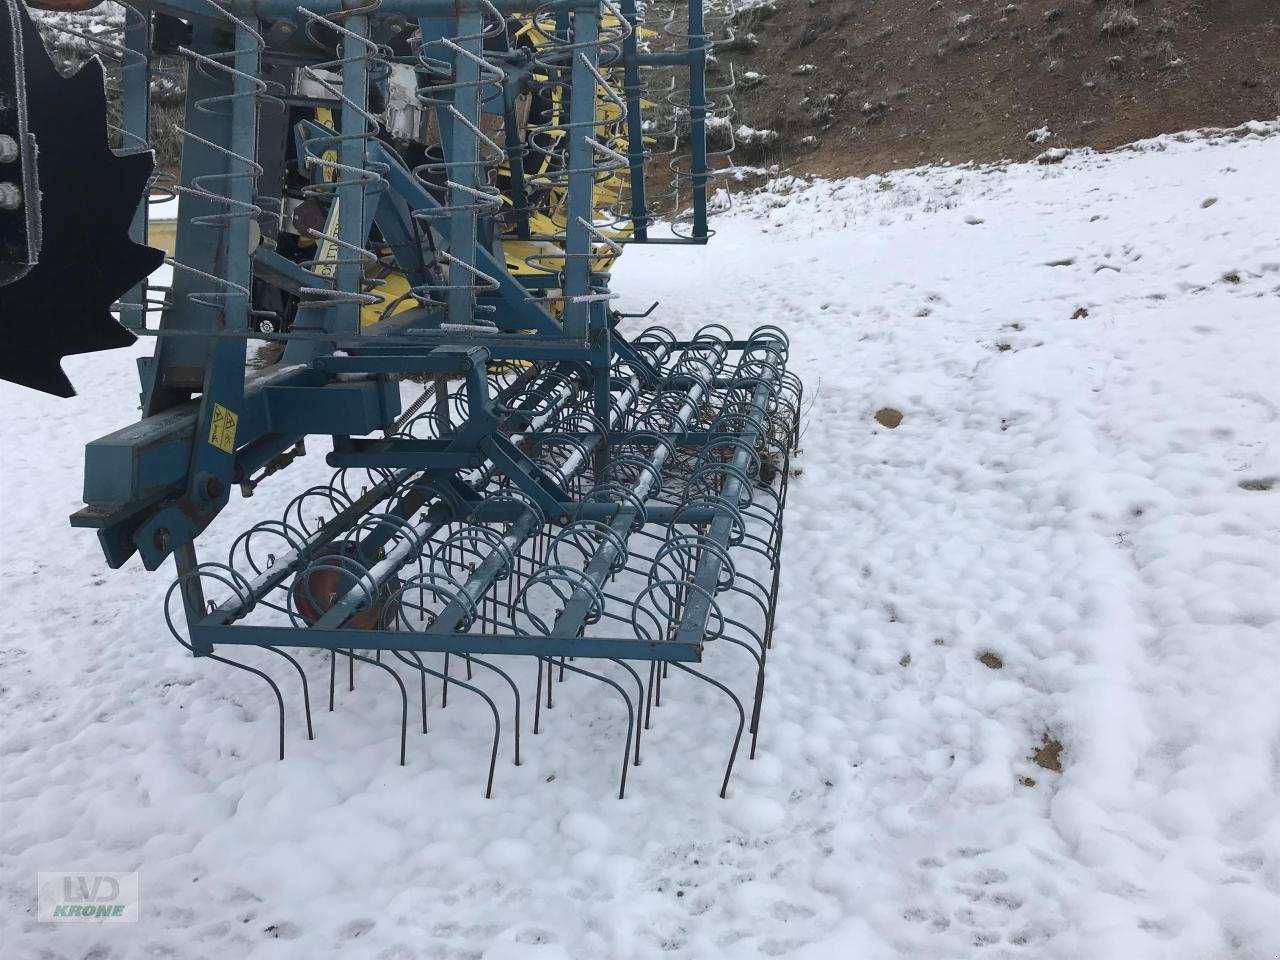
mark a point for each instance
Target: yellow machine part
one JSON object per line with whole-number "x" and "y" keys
{"x": 537, "y": 255}
{"x": 394, "y": 286}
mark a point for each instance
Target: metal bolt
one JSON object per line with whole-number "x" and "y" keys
{"x": 10, "y": 196}
{"x": 8, "y": 148}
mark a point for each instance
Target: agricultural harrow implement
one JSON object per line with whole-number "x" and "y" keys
{"x": 421, "y": 199}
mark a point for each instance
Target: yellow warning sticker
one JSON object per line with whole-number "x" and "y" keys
{"x": 222, "y": 431}
{"x": 326, "y": 264}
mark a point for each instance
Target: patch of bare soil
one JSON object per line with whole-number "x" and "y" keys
{"x": 852, "y": 87}
{"x": 1049, "y": 754}
{"x": 888, "y": 417}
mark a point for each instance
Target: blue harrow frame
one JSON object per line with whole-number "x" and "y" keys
{"x": 559, "y": 491}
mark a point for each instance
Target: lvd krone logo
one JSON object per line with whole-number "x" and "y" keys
{"x": 88, "y": 896}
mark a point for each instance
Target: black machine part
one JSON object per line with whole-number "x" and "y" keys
{"x": 65, "y": 252}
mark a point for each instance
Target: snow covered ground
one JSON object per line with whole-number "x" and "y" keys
{"x": 1084, "y": 492}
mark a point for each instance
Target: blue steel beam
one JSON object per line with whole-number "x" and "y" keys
{"x": 581, "y": 166}
{"x": 177, "y": 369}
{"x": 462, "y": 162}
{"x": 213, "y": 454}
{"x": 130, "y": 472}
{"x": 353, "y": 155}
{"x": 699, "y": 42}
{"x": 516, "y": 311}
{"x": 633, "y": 90}
{"x": 206, "y": 636}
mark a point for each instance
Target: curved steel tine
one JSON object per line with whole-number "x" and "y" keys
{"x": 497, "y": 721}
{"x": 648, "y": 698}
{"x": 191, "y": 582}
{"x": 742, "y": 720}
{"x": 416, "y": 663}
{"x": 537, "y": 699}
{"x": 333, "y": 670}
{"x": 515, "y": 691}
{"x": 274, "y": 689}
{"x": 757, "y": 703}
{"x": 422, "y": 676}
{"x": 444, "y": 686}
{"x": 306, "y": 694}
{"x": 639, "y": 719}
{"x": 757, "y": 699}
{"x": 631, "y": 718}
{"x": 404, "y": 701}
